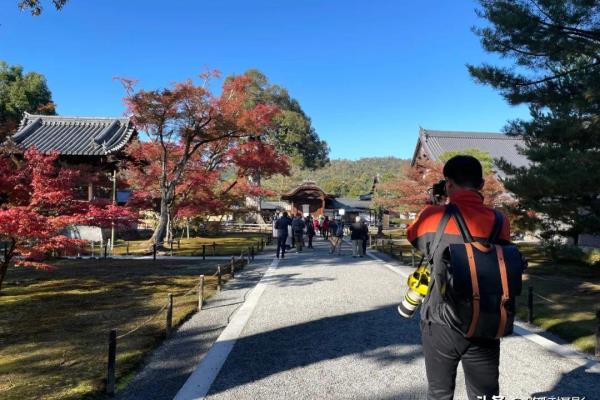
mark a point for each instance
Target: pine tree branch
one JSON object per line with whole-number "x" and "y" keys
{"x": 557, "y": 76}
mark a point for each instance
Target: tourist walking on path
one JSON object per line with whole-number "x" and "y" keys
{"x": 444, "y": 341}
{"x": 298, "y": 227}
{"x": 281, "y": 228}
{"x": 357, "y": 235}
{"x": 337, "y": 236}
{"x": 310, "y": 230}
{"x": 325, "y": 228}
{"x": 366, "y": 236}
{"x": 317, "y": 226}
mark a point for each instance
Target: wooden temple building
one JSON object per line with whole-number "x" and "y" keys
{"x": 80, "y": 141}
{"x": 309, "y": 198}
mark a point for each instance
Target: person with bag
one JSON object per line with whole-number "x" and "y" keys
{"x": 337, "y": 236}
{"x": 281, "y": 228}
{"x": 357, "y": 235}
{"x": 298, "y": 227}
{"x": 310, "y": 230}
{"x": 474, "y": 276}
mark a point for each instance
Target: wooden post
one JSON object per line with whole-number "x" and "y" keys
{"x": 232, "y": 267}
{"x": 214, "y": 248}
{"x": 219, "y": 282}
{"x": 127, "y": 248}
{"x": 530, "y": 305}
{"x": 154, "y": 251}
{"x": 204, "y": 252}
{"x": 178, "y": 244}
{"x": 252, "y": 253}
{"x": 171, "y": 245}
{"x": 106, "y": 250}
{"x": 391, "y": 247}
{"x": 112, "y": 359}
{"x": 598, "y": 333}
{"x": 201, "y": 292}
{"x": 169, "y": 316}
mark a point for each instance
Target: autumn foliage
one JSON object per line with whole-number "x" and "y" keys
{"x": 410, "y": 192}
{"x": 207, "y": 151}
{"x": 37, "y": 204}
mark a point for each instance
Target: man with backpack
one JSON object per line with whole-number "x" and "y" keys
{"x": 475, "y": 275}
{"x": 337, "y": 235}
{"x": 298, "y": 226}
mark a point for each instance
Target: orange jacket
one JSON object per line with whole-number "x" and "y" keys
{"x": 480, "y": 221}
{"x": 478, "y": 217}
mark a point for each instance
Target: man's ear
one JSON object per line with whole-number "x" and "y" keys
{"x": 481, "y": 185}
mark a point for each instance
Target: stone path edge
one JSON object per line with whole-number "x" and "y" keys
{"x": 199, "y": 382}
{"x": 590, "y": 363}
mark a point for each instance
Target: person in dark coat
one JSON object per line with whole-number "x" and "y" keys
{"x": 298, "y": 226}
{"x": 365, "y": 237}
{"x": 281, "y": 226}
{"x": 310, "y": 230}
{"x": 357, "y": 235}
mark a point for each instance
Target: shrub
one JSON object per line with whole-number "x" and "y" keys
{"x": 592, "y": 257}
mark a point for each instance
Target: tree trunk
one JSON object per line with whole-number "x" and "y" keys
{"x": 158, "y": 237}
{"x": 6, "y": 257}
{"x": 3, "y": 270}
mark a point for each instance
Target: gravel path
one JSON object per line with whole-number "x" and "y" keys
{"x": 327, "y": 327}
{"x": 167, "y": 369}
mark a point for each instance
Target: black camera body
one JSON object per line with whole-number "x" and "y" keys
{"x": 438, "y": 192}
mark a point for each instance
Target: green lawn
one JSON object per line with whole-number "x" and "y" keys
{"x": 219, "y": 245}
{"x": 55, "y": 325}
{"x": 574, "y": 294}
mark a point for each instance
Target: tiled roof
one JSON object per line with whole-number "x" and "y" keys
{"x": 74, "y": 135}
{"x": 273, "y": 205}
{"x": 307, "y": 186}
{"x": 498, "y": 145}
{"x": 350, "y": 205}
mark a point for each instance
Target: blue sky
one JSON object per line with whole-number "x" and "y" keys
{"x": 368, "y": 73}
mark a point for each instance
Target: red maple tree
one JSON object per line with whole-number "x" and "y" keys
{"x": 193, "y": 131}
{"x": 38, "y": 204}
{"x": 410, "y": 192}
{"x": 214, "y": 181}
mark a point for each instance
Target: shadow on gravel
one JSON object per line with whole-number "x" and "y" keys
{"x": 366, "y": 334}
{"x": 575, "y": 383}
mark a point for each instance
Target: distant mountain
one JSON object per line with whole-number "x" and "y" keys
{"x": 344, "y": 178}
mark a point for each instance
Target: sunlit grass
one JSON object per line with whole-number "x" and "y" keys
{"x": 220, "y": 245}
{"x": 55, "y": 325}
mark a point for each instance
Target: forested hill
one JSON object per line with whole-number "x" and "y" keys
{"x": 345, "y": 178}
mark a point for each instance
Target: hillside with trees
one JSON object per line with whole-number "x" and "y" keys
{"x": 344, "y": 178}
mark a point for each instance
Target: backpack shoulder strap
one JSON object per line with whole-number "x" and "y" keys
{"x": 462, "y": 225}
{"x": 498, "y": 222}
{"x": 439, "y": 233}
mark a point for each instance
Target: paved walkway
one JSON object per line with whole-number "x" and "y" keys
{"x": 326, "y": 327}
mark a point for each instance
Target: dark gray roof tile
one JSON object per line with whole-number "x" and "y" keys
{"x": 498, "y": 145}
{"x": 74, "y": 135}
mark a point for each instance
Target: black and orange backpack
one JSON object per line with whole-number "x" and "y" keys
{"x": 483, "y": 279}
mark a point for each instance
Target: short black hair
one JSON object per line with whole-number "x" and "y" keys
{"x": 465, "y": 171}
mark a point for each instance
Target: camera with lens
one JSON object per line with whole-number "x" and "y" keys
{"x": 437, "y": 193}
{"x": 418, "y": 285}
